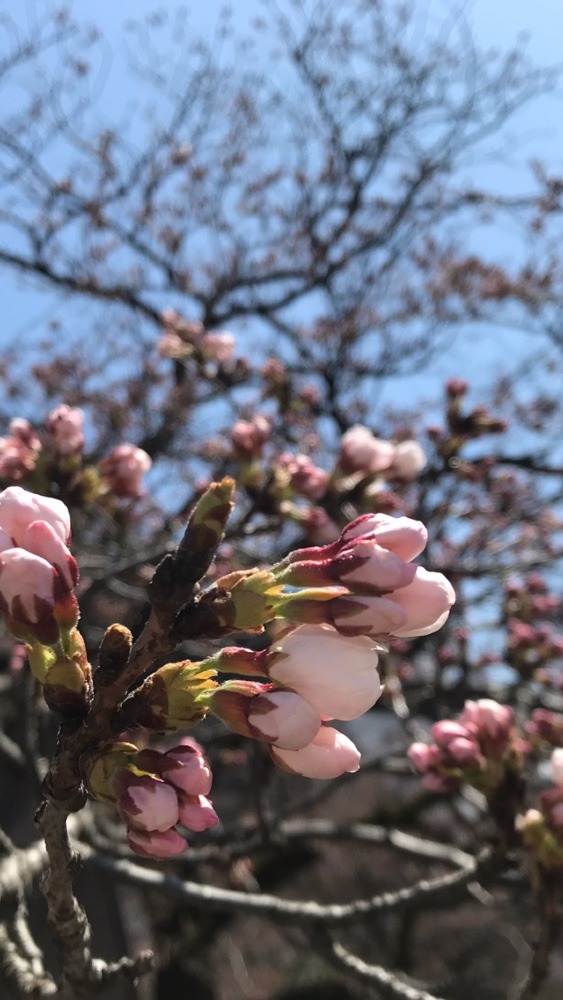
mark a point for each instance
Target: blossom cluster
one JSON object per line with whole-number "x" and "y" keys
{"x": 468, "y": 749}
{"x": 155, "y": 792}
{"x": 333, "y": 608}
{"x": 185, "y": 338}
{"x": 26, "y": 455}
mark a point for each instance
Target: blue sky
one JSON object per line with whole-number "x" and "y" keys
{"x": 494, "y": 23}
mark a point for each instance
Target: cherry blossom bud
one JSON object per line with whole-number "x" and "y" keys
{"x": 65, "y": 424}
{"x": 329, "y": 755}
{"x": 123, "y": 470}
{"x": 426, "y": 602}
{"x": 27, "y": 595}
{"x": 337, "y": 676}
{"x": 196, "y": 812}
{"x": 361, "y": 451}
{"x": 402, "y": 535}
{"x": 144, "y": 801}
{"x": 408, "y": 460}
{"x": 249, "y": 436}
{"x": 19, "y": 509}
{"x": 170, "y": 345}
{"x": 424, "y": 756}
{"x": 188, "y": 769}
{"x": 265, "y": 713}
{"x": 155, "y": 844}
{"x": 219, "y": 347}
{"x": 490, "y": 723}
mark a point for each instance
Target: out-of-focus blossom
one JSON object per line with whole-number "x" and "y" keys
{"x": 170, "y": 345}
{"x": 218, "y": 347}
{"x": 65, "y": 424}
{"x": 408, "y": 461}
{"x": 123, "y": 470}
{"x": 361, "y": 451}
{"x": 19, "y": 451}
{"x": 249, "y": 437}
{"x": 302, "y": 476}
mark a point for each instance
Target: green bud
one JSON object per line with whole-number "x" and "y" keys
{"x": 173, "y": 697}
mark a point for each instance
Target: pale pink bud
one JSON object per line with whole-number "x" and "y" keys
{"x": 408, "y": 460}
{"x": 27, "y": 587}
{"x": 23, "y": 431}
{"x": 337, "y": 676}
{"x": 487, "y": 719}
{"x": 170, "y": 345}
{"x": 284, "y": 718}
{"x": 366, "y": 615}
{"x": 557, "y": 767}
{"x": 365, "y": 565}
{"x": 65, "y": 425}
{"x": 426, "y": 602}
{"x": 320, "y": 528}
{"x": 196, "y": 813}
{"x": 219, "y": 347}
{"x": 446, "y": 730}
{"x": 249, "y": 436}
{"x": 187, "y": 769}
{"x": 329, "y": 755}
{"x": 42, "y": 540}
{"x": 16, "y": 459}
{"x": 465, "y": 752}
{"x": 307, "y": 479}
{"x": 401, "y": 535}
{"x": 145, "y": 802}
{"x": 424, "y": 756}
{"x": 124, "y": 468}
{"x": 154, "y": 844}
{"x": 361, "y": 451}
{"x": 19, "y": 509}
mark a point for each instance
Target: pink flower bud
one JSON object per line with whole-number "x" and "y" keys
{"x": 196, "y": 813}
{"x": 426, "y": 602}
{"x": 170, "y": 345}
{"x": 124, "y": 468}
{"x": 19, "y": 509}
{"x": 369, "y": 616}
{"x": 425, "y": 756}
{"x": 218, "y": 346}
{"x": 401, "y": 535}
{"x": 408, "y": 460}
{"x": 145, "y": 802}
{"x": 329, "y": 755}
{"x": 361, "y": 451}
{"x": 363, "y": 565}
{"x": 283, "y": 718}
{"x": 445, "y": 731}
{"x": 249, "y": 436}
{"x": 490, "y": 722}
{"x": 337, "y": 676}
{"x": 27, "y": 594}
{"x": 65, "y": 426}
{"x": 42, "y": 540}
{"x": 154, "y": 844}
{"x": 187, "y": 769}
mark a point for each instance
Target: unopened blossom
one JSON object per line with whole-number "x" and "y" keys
{"x": 318, "y": 526}
{"x": 361, "y": 451}
{"x": 302, "y": 476}
{"x": 155, "y": 844}
{"x": 37, "y": 571}
{"x": 65, "y": 424}
{"x": 267, "y": 713}
{"x": 123, "y": 470}
{"x": 387, "y": 593}
{"x": 408, "y": 461}
{"x": 154, "y": 792}
{"x": 170, "y": 345}
{"x": 490, "y": 723}
{"x": 329, "y": 755}
{"x": 218, "y": 347}
{"x": 338, "y": 676}
{"x": 249, "y": 436}
{"x": 19, "y": 451}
